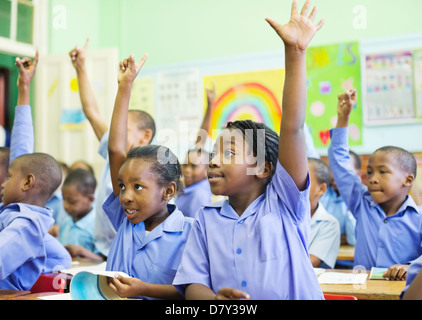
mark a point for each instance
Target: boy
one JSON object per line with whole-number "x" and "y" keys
{"x": 387, "y": 218}
{"x": 141, "y": 131}
{"x": 26, "y": 248}
{"x": 324, "y": 240}
{"x": 77, "y": 231}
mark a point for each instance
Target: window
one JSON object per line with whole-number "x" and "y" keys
{"x": 17, "y": 20}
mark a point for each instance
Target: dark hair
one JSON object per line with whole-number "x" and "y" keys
{"x": 321, "y": 170}
{"x": 405, "y": 160}
{"x": 84, "y": 181}
{"x": 271, "y": 139}
{"x": 358, "y": 160}
{"x": 164, "y": 163}
{"x": 45, "y": 168}
{"x": 145, "y": 121}
{"x": 4, "y": 157}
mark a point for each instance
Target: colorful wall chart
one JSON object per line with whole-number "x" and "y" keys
{"x": 332, "y": 70}
{"x": 255, "y": 96}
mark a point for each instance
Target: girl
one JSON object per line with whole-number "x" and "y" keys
{"x": 151, "y": 233}
{"x": 254, "y": 245}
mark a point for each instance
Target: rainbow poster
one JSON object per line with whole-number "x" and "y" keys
{"x": 255, "y": 96}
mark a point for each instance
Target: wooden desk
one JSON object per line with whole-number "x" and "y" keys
{"x": 371, "y": 290}
{"x": 346, "y": 252}
{"x": 6, "y": 294}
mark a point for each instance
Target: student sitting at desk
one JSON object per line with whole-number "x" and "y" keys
{"x": 255, "y": 244}
{"x": 324, "y": 240}
{"x": 77, "y": 231}
{"x": 388, "y": 221}
{"x": 32, "y": 178}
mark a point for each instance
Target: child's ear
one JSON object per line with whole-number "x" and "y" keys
{"x": 170, "y": 191}
{"x": 146, "y": 140}
{"x": 28, "y": 182}
{"x": 409, "y": 180}
{"x": 264, "y": 171}
{"x": 322, "y": 188}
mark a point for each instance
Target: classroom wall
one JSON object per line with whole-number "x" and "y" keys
{"x": 231, "y": 36}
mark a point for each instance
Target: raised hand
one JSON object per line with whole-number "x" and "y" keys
{"x": 300, "y": 30}
{"x": 211, "y": 93}
{"x": 26, "y": 68}
{"x": 129, "y": 70}
{"x": 78, "y": 55}
{"x": 346, "y": 102}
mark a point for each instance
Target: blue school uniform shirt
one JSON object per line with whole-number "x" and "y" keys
{"x": 152, "y": 257}
{"x": 22, "y": 247}
{"x": 324, "y": 241}
{"x": 412, "y": 272}
{"x": 263, "y": 252}
{"x": 80, "y": 232}
{"x": 58, "y": 258}
{"x": 194, "y": 197}
{"x": 104, "y": 230}
{"x": 381, "y": 241}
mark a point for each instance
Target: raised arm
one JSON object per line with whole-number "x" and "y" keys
{"x": 206, "y": 121}
{"x": 118, "y": 128}
{"x": 22, "y": 136}
{"x": 89, "y": 103}
{"x": 296, "y": 35}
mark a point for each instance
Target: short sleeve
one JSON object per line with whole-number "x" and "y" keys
{"x": 114, "y": 210}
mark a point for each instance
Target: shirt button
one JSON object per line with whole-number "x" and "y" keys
{"x": 239, "y": 251}
{"x": 241, "y": 221}
{"x": 385, "y": 221}
{"x": 244, "y": 283}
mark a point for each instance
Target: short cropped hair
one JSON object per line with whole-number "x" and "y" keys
{"x": 145, "y": 121}
{"x": 83, "y": 180}
{"x": 358, "y": 160}
{"x": 405, "y": 160}
{"x": 46, "y": 170}
{"x": 321, "y": 170}
{"x": 4, "y": 157}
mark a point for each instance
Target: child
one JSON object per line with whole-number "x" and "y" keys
{"x": 25, "y": 244}
{"x": 141, "y": 131}
{"x": 413, "y": 288}
{"x": 151, "y": 233}
{"x": 386, "y": 215}
{"x": 197, "y": 191}
{"x": 77, "y": 231}
{"x": 324, "y": 240}
{"x": 254, "y": 245}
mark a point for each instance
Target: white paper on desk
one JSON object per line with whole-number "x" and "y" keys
{"x": 93, "y": 269}
{"x": 342, "y": 278}
{"x": 62, "y": 296}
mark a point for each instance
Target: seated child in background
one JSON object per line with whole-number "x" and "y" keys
{"x": 386, "y": 215}
{"x": 324, "y": 240}
{"x": 335, "y": 205}
{"x": 82, "y": 164}
{"x": 255, "y": 244}
{"x": 151, "y": 233}
{"x": 140, "y": 132}
{"x": 25, "y": 245}
{"x": 77, "y": 231}
{"x": 197, "y": 191}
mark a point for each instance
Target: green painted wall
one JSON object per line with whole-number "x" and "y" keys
{"x": 175, "y": 31}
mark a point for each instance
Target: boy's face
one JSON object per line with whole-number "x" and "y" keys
{"x": 75, "y": 203}
{"x": 195, "y": 169}
{"x": 11, "y": 190}
{"x": 141, "y": 197}
{"x": 135, "y": 136}
{"x": 387, "y": 182}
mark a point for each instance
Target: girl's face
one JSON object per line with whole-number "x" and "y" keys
{"x": 195, "y": 169}
{"x": 141, "y": 197}
{"x": 232, "y": 167}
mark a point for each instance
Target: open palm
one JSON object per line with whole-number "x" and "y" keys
{"x": 300, "y": 30}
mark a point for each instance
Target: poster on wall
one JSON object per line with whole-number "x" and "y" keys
{"x": 417, "y": 65}
{"x": 389, "y": 88}
{"x": 255, "y": 96}
{"x": 332, "y": 70}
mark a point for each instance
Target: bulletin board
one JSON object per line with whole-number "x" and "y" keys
{"x": 332, "y": 70}
{"x": 255, "y": 96}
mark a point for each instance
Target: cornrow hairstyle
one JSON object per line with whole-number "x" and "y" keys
{"x": 405, "y": 160}
{"x": 83, "y": 179}
{"x": 164, "y": 163}
{"x": 271, "y": 139}
{"x": 321, "y": 170}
